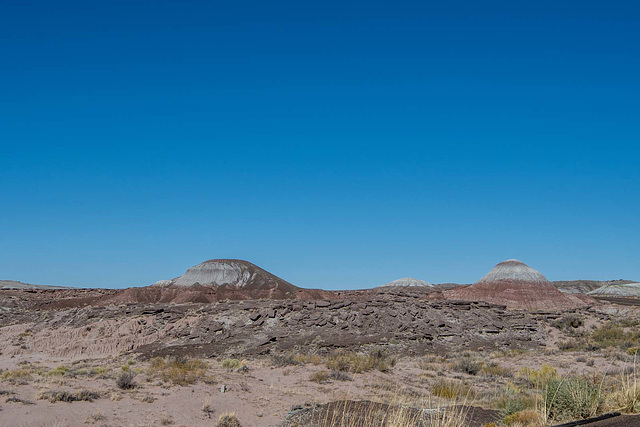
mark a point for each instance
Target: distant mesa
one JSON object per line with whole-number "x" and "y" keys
{"x": 216, "y": 280}
{"x": 406, "y": 282}
{"x": 618, "y": 290}
{"x": 13, "y": 284}
{"x": 518, "y": 286}
{"x": 586, "y": 286}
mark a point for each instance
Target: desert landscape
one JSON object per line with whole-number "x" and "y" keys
{"x": 230, "y": 344}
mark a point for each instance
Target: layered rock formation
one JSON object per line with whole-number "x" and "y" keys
{"x": 585, "y": 286}
{"x": 13, "y": 284}
{"x": 232, "y": 273}
{"x": 618, "y": 290}
{"x": 216, "y": 280}
{"x": 406, "y": 281}
{"x": 518, "y": 286}
{"x": 263, "y": 326}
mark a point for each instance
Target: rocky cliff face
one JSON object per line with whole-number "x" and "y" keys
{"x": 518, "y": 286}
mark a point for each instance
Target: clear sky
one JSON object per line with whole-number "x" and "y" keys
{"x": 335, "y": 144}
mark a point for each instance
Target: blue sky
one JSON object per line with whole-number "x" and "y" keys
{"x": 335, "y": 145}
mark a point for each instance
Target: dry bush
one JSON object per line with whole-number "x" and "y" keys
{"x": 291, "y": 359}
{"x": 228, "y": 420}
{"x": 180, "y": 371}
{"x": 314, "y": 359}
{"x": 282, "y": 360}
{"x": 614, "y": 335}
{"x": 452, "y": 390}
{"x": 319, "y": 377}
{"x": 526, "y": 418}
{"x": 356, "y": 363}
{"x": 467, "y": 365}
{"x": 625, "y": 393}
{"x": 568, "y": 322}
{"x": 234, "y": 365}
{"x": 68, "y": 396}
{"x": 574, "y": 344}
{"x": 512, "y": 399}
{"x": 340, "y": 376}
{"x": 59, "y": 371}
{"x": 494, "y": 369}
{"x": 14, "y": 399}
{"x": 98, "y": 416}
{"x": 17, "y": 376}
{"x": 125, "y": 381}
{"x": 207, "y": 408}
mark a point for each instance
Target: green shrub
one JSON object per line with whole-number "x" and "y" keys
{"x": 59, "y": 371}
{"x": 572, "y": 398}
{"x": 512, "y": 401}
{"x": 538, "y": 378}
{"x": 613, "y": 335}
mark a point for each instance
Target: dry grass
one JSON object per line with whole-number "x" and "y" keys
{"x": 448, "y": 389}
{"x": 626, "y": 394}
{"x": 349, "y": 361}
{"x": 495, "y": 370}
{"x": 234, "y": 364}
{"x": 17, "y": 376}
{"x": 179, "y": 371}
{"x": 526, "y": 418}
{"x": 347, "y": 413}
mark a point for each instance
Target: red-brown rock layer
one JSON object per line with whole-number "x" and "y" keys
{"x": 518, "y": 286}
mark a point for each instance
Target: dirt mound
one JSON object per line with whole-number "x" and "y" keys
{"x": 518, "y": 286}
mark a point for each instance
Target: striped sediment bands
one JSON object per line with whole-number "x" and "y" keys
{"x": 518, "y": 286}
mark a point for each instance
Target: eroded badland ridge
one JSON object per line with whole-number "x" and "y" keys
{"x": 228, "y": 336}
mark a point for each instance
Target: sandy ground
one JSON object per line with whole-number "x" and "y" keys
{"x": 261, "y": 396}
